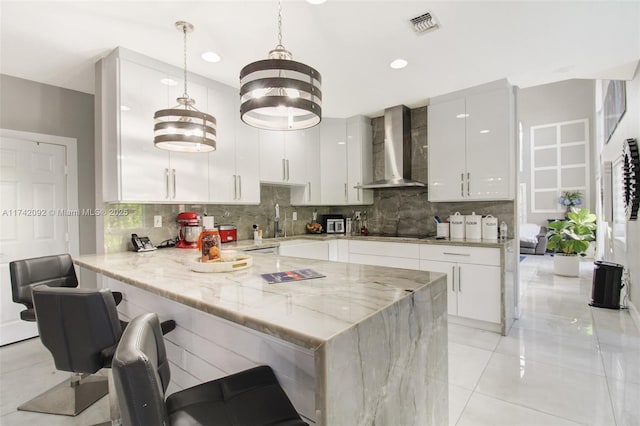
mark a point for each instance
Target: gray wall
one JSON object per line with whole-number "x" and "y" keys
{"x": 553, "y": 103}
{"x": 34, "y": 107}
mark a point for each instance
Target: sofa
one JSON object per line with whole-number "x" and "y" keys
{"x": 533, "y": 239}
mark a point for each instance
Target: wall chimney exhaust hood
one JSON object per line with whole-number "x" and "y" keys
{"x": 397, "y": 151}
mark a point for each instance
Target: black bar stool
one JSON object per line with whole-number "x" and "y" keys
{"x": 141, "y": 375}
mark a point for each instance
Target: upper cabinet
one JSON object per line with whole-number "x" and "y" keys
{"x": 345, "y": 160}
{"x": 234, "y": 166}
{"x": 283, "y": 156}
{"x": 130, "y": 89}
{"x": 309, "y": 194}
{"x": 333, "y": 161}
{"x": 472, "y": 144}
{"x": 359, "y": 159}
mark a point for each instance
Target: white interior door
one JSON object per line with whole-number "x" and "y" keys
{"x": 33, "y": 218}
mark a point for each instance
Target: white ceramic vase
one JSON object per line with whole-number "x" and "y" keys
{"x": 567, "y": 265}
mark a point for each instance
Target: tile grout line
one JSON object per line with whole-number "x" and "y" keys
{"x": 606, "y": 375}
{"x": 515, "y": 403}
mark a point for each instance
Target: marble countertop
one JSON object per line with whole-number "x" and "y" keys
{"x": 307, "y": 313}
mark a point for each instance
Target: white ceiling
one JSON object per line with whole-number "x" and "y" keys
{"x": 350, "y": 42}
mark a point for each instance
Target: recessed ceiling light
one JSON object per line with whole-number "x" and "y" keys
{"x": 485, "y": 131}
{"x": 398, "y": 64}
{"x": 124, "y": 108}
{"x": 462, "y": 115}
{"x": 211, "y": 57}
{"x": 316, "y": 1}
{"x": 342, "y": 143}
{"x": 168, "y": 82}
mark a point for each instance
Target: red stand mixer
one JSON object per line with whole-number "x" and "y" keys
{"x": 190, "y": 229}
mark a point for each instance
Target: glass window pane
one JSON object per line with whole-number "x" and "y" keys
{"x": 545, "y": 158}
{"x": 572, "y": 155}
{"x": 574, "y": 132}
{"x": 546, "y": 179}
{"x": 544, "y": 136}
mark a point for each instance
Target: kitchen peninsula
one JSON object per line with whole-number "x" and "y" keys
{"x": 363, "y": 345}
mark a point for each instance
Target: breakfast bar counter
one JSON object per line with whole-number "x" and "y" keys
{"x": 361, "y": 345}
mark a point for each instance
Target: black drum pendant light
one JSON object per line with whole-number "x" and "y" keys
{"x": 184, "y": 128}
{"x": 279, "y": 93}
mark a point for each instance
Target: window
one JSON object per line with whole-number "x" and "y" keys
{"x": 559, "y": 162}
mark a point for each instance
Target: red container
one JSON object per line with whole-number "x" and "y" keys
{"x": 228, "y": 233}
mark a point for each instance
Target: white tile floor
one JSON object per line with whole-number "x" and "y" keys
{"x": 563, "y": 363}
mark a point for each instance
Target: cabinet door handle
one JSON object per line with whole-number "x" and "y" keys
{"x": 287, "y": 170}
{"x": 235, "y": 188}
{"x": 462, "y": 184}
{"x": 166, "y": 183}
{"x": 468, "y": 184}
{"x": 308, "y": 191}
{"x": 239, "y": 187}
{"x": 173, "y": 173}
{"x": 358, "y": 192}
{"x": 455, "y": 254}
{"x": 453, "y": 278}
{"x": 460, "y": 279}
{"x": 345, "y": 192}
{"x": 284, "y": 173}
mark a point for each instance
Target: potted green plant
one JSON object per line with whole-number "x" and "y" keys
{"x": 569, "y": 238}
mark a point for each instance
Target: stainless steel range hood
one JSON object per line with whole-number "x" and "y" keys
{"x": 397, "y": 151}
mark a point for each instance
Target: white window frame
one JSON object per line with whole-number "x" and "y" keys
{"x": 558, "y": 189}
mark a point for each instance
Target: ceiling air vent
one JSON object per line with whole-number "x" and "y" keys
{"x": 424, "y": 23}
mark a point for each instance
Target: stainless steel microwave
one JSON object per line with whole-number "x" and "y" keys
{"x": 335, "y": 226}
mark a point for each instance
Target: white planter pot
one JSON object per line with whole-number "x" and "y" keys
{"x": 567, "y": 265}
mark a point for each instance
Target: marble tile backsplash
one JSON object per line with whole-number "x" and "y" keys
{"x": 394, "y": 211}
{"x": 118, "y": 229}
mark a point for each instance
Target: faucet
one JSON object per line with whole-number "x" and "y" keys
{"x": 276, "y": 222}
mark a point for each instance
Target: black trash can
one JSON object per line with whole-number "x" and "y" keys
{"x": 607, "y": 283}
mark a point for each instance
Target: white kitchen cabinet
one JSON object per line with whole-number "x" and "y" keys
{"x": 378, "y": 253}
{"x": 189, "y": 171}
{"x": 346, "y": 160}
{"x": 341, "y": 253}
{"x": 129, "y": 90}
{"x": 247, "y": 163}
{"x": 447, "y": 158}
{"x": 307, "y": 249}
{"x": 472, "y": 145}
{"x": 142, "y": 171}
{"x": 359, "y": 159}
{"x": 309, "y": 194}
{"x": 148, "y": 173}
{"x": 282, "y": 156}
{"x": 333, "y": 161}
{"x": 474, "y": 279}
{"x": 234, "y": 166}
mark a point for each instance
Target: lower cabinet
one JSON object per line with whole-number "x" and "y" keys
{"x": 474, "y": 274}
{"x": 474, "y": 279}
{"x": 473, "y": 290}
{"x": 377, "y": 253}
{"x": 307, "y": 249}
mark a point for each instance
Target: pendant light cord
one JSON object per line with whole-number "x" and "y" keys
{"x": 280, "y": 25}
{"x": 184, "y": 30}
